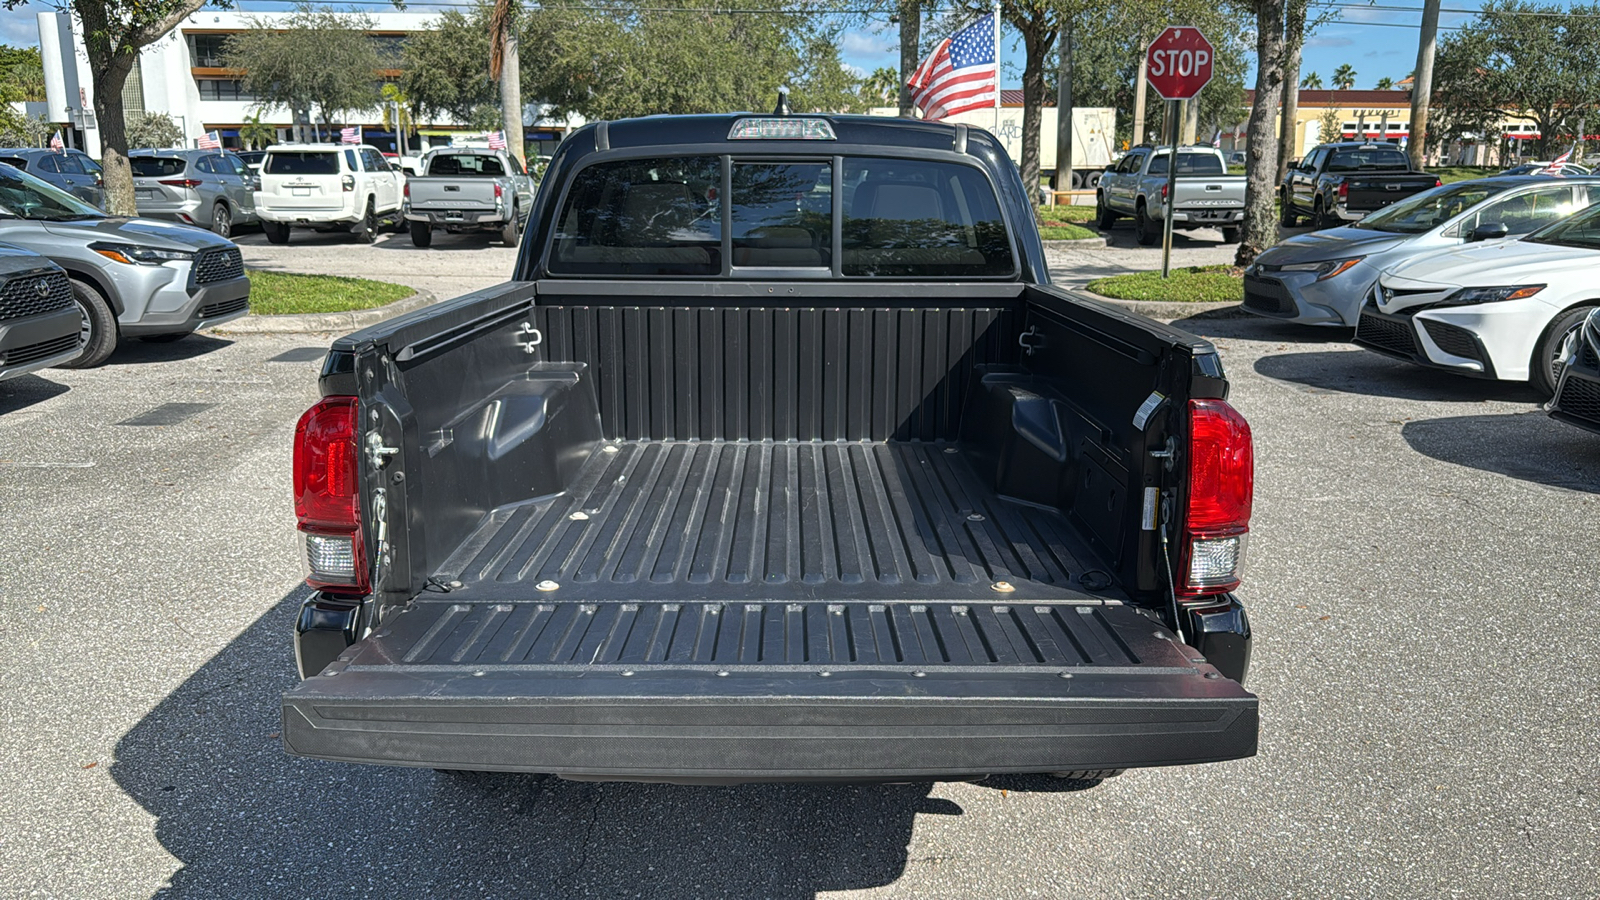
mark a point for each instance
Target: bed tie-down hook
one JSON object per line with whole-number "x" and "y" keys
{"x": 528, "y": 337}
{"x": 1027, "y": 342}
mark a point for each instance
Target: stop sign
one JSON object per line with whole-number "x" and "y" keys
{"x": 1179, "y": 62}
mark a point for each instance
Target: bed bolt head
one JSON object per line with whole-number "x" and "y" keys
{"x": 1004, "y": 587}
{"x": 547, "y": 586}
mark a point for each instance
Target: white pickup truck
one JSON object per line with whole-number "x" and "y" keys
{"x": 1207, "y": 196}
{"x": 467, "y": 189}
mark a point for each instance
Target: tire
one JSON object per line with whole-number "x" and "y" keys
{"x": 1286, "y": 214}
{"x": 1075, "y": 181}
{"x": 422, "y": 235}
{"x": 1144, "y": 227}
{"x": 1093, "y": 181}
{"x": 1103, "y": 213}
{"x": 164, "y": 338}
{"x": 1550, "y": 354}
{"x": 221, "y": 220}
{"x": 1230, "y": 235}
{"x": 511, "y": 234}
{"x": 277, "y": 232}
{"x": 98, "y": 330}
{"x": 367, "y": 230}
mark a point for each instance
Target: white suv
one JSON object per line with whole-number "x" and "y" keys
{"x": 327, "y": 187}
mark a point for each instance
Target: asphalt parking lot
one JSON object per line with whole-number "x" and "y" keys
{"x": 1421, "y": 583}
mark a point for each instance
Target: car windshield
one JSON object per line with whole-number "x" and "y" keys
{"x": 23, "y": 196}
{"x": 1368, "y": 158}
{"x": 1429, "y": 209}
{"x": 1188, "y": 164}
{"x": 1581, "y": 230}
{"x": 156, "y": 166}
{"x": 312, "y": 162}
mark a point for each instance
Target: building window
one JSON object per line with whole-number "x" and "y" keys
{"x": 223, "y": 89}
{"x": 133, "y": 91}
{"x": 206, "y": 50}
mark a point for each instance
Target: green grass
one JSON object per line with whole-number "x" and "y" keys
{"x": 1049, "y": 215}
{"x": 279, "y": 293}
{"x": 1448, "y": 174}
{"x": 1190, "y": 284}
{"x": 1067, "y": 232}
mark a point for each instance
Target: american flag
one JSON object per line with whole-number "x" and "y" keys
{"x": 959, "y": 75}
{"x": 1555, "y": 164}
{"x": 1216, "y": 139}
{"x": 351, "y": 135}
{"x": 55, "y": 141}
{"x": 210, "y": 141}
{"x": 497, "y": 140}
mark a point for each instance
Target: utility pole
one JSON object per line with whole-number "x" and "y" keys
{"x": 1139, "y": 86}
{"x": 1064, "y": 108}
{"x": 1422, "y": 84}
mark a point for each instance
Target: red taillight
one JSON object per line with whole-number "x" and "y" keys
{"x": 499, "y": 192}
{"x": 182, "y": 182}
{"x": 327, "y": 500}
{"x": 408, "y": 190}
{"x": 1163, "y": 193}
{"x": 1344, "y": 190}
{"x": 1221, "y": 490}
{"x": 1437, "y": 182}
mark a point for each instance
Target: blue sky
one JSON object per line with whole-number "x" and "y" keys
{"x": 1377, "y": 42}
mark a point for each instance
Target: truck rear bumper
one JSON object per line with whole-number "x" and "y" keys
{"x": 1037, "y": 689}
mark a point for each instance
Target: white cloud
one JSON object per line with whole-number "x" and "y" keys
{"x": 861, "y": 43}
{"x": 19, "y": 29}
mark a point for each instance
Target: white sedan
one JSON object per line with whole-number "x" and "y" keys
{"x": 1508, "y": 310}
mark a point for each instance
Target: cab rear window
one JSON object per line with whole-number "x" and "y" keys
{"x": 308, "y": 163}
{"x": 156, "y": 166}
{"x": 1189, "y": 164}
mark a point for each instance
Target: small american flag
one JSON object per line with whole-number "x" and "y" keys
{"x": 959, "y": 75}
{"x": 210, "y": 141}
{"x": 1555, "y": 164}
{"x": 351, "y": 135}
{"x": 55, "y": 141}
{"x": 497, "y": 140}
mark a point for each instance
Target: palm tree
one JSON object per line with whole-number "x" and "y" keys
{"x": 1384, "y": 84}
{"x": 505, "y": 66}
{"x": 257, "y": 135}
{"x": 883, "y": 86}
{"x": 1344, "y": 78}
{"x": 1312, "y": 82}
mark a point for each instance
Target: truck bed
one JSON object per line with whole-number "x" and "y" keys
{"x": 789, "y": 521}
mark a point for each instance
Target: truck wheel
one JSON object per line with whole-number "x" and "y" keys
{"x": 368, "y": 229}
{"x": 510, "y": 234}
{"x": 421, "y": 235}
{"x": 1319, "y": 215}
{"x": 221, "y": 220}
{"x": 1555, "y": 345}
{"x": 1093, "y": 181}
{"x": 1145, "y": 228}
{"x": 97, "y": 335}
{"x": 1286, "y": 216}
{"x": 1230, "y": 235}
{"x": 277, "y": 232}
{"x": 1103, "y": 213}
{"x": 1075, "y": 181}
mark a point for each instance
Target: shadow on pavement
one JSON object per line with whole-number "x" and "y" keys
{"x": 246, "y": 820}
{"x": 133, "y": 352}
{"x": 1234, "y": 322}
{"x": 26, "y": 390}
{"x": 1361, "y": 372}
{"x": 442, "y": 240}
{"x": 1526, "y": 446}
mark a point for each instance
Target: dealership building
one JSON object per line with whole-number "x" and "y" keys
{"x": 183, "y": 76}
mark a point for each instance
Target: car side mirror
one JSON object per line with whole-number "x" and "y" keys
{"x": 1488, "y": 231}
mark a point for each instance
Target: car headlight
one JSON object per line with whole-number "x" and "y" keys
{"x": 1325, "y": 269}
{"x": 135, "y": 255}
{"x": 1469, "y": 296}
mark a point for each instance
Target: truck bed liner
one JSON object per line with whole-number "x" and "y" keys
{"x": 779, "y": 521}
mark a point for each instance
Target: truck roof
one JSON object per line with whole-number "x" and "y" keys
{"x": 715, "y": 129}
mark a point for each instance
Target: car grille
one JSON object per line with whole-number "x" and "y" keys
{"x": 30, "y": 352}
{"x": 1587, "y": 357}
{"x": 218, "y": 265}
{"x": 20, "y": 296}
{"x": 1395, "y": 337}
{"x": 1268, "y": 296}
{"x": 212, "y": 310}
{"x": 1579, "y": 398}
{"x": 1452, "y": 340}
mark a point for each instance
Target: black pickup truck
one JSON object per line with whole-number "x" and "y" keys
{"x": 1344, "y": 182}
{"x": 778, "y": 459}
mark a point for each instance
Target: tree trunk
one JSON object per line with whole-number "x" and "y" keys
{"x": 1191, "y": 122}
{"x": 108, "y": 82}
{"x": 1036, "y": 48}
{"x": 1294, "y": 38}
{"x": 1140, "y": 84}
{"x": 511, "y": 93}
{"x": 1063, "y": 180}
{"x": 1422, "y": 86}
{"x": 1260, "y": 222}
{"x": 910, "y": 36}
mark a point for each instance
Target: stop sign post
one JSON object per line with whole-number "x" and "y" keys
{"x": 1178, "y": 64}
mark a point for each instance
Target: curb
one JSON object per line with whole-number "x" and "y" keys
{"x": 353, "y": 320}
{"x": 1169, "y": 310}
{"x": 1080, "y": 242}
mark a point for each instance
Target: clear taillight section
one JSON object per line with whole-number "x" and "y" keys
{"x": 327, "y": 500}
{"x": 1221, "y": 491}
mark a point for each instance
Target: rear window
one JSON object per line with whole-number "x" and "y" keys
{"x": 17, "y": 161}
{"x": 310, "y": 162}
{"x": 155, "y": 166}
{"x": 1189, "y": 164}
{"x": 667, "y": 216}
{"x": 468, "y": 164}
{"x": 1370, "y": 159}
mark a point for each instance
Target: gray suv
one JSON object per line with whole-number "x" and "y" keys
{"x": 209, "y": 188}
{"x": 71, "y": 170}
{"x": 129, "y": 277}
{"x": 38, "y": 320}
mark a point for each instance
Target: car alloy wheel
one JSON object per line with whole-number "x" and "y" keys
{"x": 221, "y": 220}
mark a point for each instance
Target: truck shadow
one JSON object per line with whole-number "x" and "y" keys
{"x": 443, "y": 240}
{"x": 245, "y": 819}
{"x": 26, "y": 390}
{"x": 1362, "y": 372}
{"x": 1526, "y": 446}
{"x": 133, "y": 352}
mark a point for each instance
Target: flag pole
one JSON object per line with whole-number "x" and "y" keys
{"x": 997, "y": 67}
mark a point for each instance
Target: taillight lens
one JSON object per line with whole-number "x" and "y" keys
{"x": 182, "y": 182}
{"x": 499, "y": 192}
{"x": 1438, "y": 182}
{"x": 327, "y": 500}
{"x": 1163, "y": 193}
{"x": 408, "y": 190}
{"x": 1344, "y": 191}
{"x": 1221, "y": 490}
